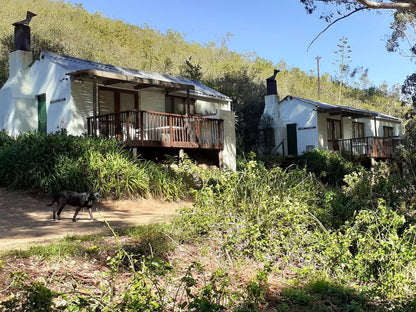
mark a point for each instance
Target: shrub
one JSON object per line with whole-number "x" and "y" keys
{"x": 5, "y": 139}
{"x": 370, "y": 252}
{"x": 365, "y": 188}
{"x": 329, "y": 167}
{"x": 257, "y": 212}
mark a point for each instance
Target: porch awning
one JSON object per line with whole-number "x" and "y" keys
{"x": 355, "y": 113}
{"x": 132, "y": 81}
{"x": 346, "y": 111}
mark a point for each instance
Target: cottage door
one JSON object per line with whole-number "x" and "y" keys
{"x": 334, "y": 134}
{"x": 292, "y": 139}
{"x": 42, "y": 121}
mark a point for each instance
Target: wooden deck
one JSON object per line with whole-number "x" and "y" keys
{"x": 154, "y": 129}
{"x": 373, "y": 147}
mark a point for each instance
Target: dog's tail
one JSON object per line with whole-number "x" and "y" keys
{"x": 55, "y": 199}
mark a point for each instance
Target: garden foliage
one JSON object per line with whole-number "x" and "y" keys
{"x": 351, "y": 226}
{"x": 286, "y": 217}
{"x": 54, "y": 162}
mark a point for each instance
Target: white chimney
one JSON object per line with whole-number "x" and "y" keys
{"x": 19, "y": 60}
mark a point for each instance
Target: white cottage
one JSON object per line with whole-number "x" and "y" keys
{"x": 294, "y": 125}
{"x": 150, "y": 112}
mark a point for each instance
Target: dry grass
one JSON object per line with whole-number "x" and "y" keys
{"x": 61, "y": 274}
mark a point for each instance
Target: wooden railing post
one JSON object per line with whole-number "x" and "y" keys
{"x": 170, "y": 130}
{"x": 197, "y": 137}
{"x": 153, "y": 127}
{"x": 141, "y": 126}
{"x": 128, "y": 126}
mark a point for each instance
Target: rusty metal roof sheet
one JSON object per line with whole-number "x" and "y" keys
{"x": 82, "y": 69}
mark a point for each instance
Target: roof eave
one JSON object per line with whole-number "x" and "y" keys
{"x": 103, "y": 76}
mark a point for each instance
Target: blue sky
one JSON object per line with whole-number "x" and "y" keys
{"x": 274, "y": 29}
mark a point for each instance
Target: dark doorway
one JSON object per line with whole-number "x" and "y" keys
{"x": 42, "y": 119}
{"x": 334, "y": 134}
{"x": 292, "y": 140}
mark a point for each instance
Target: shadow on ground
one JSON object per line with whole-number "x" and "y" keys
{"x": 27, "y": 220}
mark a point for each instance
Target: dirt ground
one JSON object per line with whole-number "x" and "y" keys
{"x": 26, "y": 220}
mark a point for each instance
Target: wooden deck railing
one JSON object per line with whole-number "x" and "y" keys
{"x": 154, "y": 129}
{"x": 376, "y": 147}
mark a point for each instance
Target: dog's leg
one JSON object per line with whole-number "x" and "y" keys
{"x": 59, "y": 209}
{"x": 90, "y": 212}
{"x": 76, "y": 213}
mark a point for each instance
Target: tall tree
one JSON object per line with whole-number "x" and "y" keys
{"x": 343, "y": 52}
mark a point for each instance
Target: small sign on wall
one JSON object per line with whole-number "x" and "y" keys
{"x": 57, "y": 100}
{"x": 306, "y": 128}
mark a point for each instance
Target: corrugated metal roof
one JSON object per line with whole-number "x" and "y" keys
{"x": 72, "y": 64}
{"x": 325, "y": 107}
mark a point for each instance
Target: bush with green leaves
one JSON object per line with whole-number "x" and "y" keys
{"x": 257, "y": 212}
{"x": 329, "y": 167}
{"x": 5, "y": 139}
{"x": 366, "y": 187}
{"x": 376, "y": 251}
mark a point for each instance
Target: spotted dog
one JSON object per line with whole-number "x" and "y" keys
{"x": 79, "y": 200}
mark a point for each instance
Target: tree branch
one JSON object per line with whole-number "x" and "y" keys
{"x": 409, "y": 6}
{"x": 337, "y": 20}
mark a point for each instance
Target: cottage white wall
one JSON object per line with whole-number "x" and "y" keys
{"x": 230, "y": 151}
{"x": 25, "y": 109}
{"x": 322, "y": 131}
{"x": 81, "y": 106}
{"x": 208, "y": 108}
{"x": 18, "y": 108}
{"x": 6, "y": 109}
{"x": 152, "y": 101}
{"x": 347, "y": 128}
{"x": 293, "y": 111}
{"x": 397, "y": 127}
{"x": 370, "y": 129}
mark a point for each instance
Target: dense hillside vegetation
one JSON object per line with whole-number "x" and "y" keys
{"x": 70, "y": 29}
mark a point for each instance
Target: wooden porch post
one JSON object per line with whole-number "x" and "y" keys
{"x": 188, "y": 103}
{"x": 94, "y": 106}
{"x": 375, "y": 151}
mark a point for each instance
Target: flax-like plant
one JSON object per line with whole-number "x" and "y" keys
{"x": 48, "y": 163}
{"x": 165, "y": 182}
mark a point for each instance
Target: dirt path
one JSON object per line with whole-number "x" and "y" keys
{"x": 26, "y": 220}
